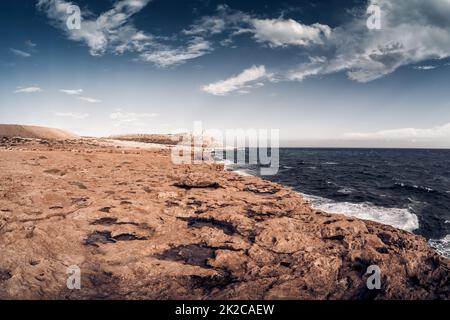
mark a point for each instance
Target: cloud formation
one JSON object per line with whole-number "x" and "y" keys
{"x": 167, "y": 56}
{"x": 90, "y": 100}
{"x": 78, "y": 93}
{"x": 425, "y": 67}
{"x": 30, "y": 44}
{"x": 408, "y": 134}
{"x": 275, "y": 32}
{"x": 20, "y": 53}
{"x": 113, "y": 32}
{"x": 33, "y": 89}
{"x": 110, "y": 29}
{"x": 412, "y": 31}
{"x": 72, "y": 92}
{"x": 121, "y": 117}
{"x": 245, "y": 80}
{"x": 281, "y": 33}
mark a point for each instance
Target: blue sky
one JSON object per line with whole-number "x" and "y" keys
{"x": 312, "y": 69}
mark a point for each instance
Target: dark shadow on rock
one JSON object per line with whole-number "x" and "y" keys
{"x": 104, "y": 237}
{"x": 189, "y": 186}
{"x": 5, "y": 275}
{"x": 210, "y": 283}
{"x": 226, "y": 227}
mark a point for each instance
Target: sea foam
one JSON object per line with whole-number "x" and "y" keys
{"x": 396, "y": 217}
{"x": 442, "y": 246}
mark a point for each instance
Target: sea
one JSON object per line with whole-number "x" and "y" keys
{"x": 405, "y": 188}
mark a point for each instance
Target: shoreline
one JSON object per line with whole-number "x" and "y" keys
{"x": 330, "y": 202}
{"x": 140, "y": 227}
{"x": 363, "y": 210}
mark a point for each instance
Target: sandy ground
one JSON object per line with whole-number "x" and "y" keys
{"x": 140, "y": 227}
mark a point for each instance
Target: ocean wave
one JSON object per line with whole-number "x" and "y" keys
{"x": 242, "y": 173}
{"x": 414, "y": 187}
{"x": 442, "y": 246}
{"x": 396, "y": 217}
{"x": 231, "y": 166}
{"x": 345, "y": 190}
{"x": 225, "y": 162}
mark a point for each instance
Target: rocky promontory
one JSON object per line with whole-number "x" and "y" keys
{"x": 140, "y": 227}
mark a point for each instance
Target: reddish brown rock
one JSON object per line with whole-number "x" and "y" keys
{"x": 140, "y": 227}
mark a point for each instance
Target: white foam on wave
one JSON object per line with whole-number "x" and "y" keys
{"x": 231, "y": 166}
{"x": 345, "y": 190}
{"x": 396, "y": 217}
{"x": 242, "y": 173}
{"x": 442, "y": 246}
{"x": 225, "y": 162}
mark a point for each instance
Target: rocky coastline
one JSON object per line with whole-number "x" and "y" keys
{"x": 140, "y": 227}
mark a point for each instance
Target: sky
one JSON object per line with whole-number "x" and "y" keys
{"x": 325, "y": 73}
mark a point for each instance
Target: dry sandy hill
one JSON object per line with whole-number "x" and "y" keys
{"x": 13, "y": 130}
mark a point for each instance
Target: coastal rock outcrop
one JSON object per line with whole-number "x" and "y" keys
{"x": 139, "y": 227}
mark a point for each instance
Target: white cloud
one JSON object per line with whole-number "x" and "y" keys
{"x": 78, "y": 93}
{"x": 72, "y": 92}
{"x": 132, "y": 40}
{"x": 74, "y": 115}
{"x": 313, "y": 68}
{"x": 225, "y": 19}
{"x": 280, "y": 33}
{"x": 121, "y": 117}
{"x": 90, "y": 100}
{"x": 114, "y": 32}
{"x": 412, "y": 31}
{"x": 30, "y": 44}
{"x": 207, "y": 25}
{"x": 237, "y": 83}
{"x": 33, "y": 89}
{"x": 168, "y": 57}
{"x": 407, "y": 134}
{"x": 20, "y": 53}
{"x": 425, "y": 67}
{"x": 276, "y": 32}
{"x": 110, "y": 29}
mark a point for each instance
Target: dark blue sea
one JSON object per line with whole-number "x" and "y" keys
{"x": 408, "y": 189}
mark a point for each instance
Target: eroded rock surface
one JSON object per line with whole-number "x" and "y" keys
{"x": 140, "y": 227}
